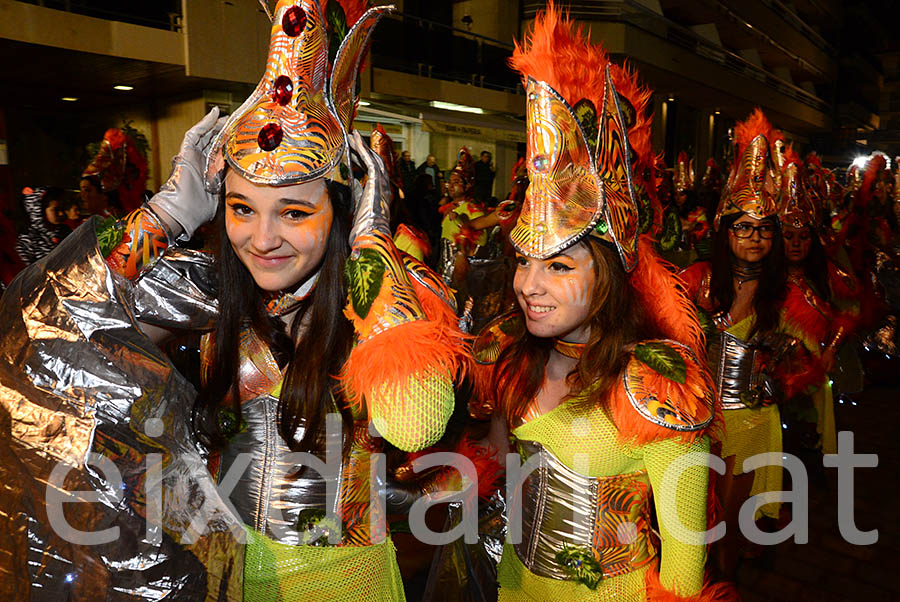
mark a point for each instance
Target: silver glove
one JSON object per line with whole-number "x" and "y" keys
{"x": 184, "y": 196}
{"x": 373, "y": 204}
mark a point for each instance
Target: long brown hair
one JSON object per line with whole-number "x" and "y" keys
{"x": 319, "y": 342}
{"x": 616, "y": 321}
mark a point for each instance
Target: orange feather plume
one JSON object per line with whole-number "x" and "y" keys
{"x": 791, "y": 156}
{"x": 559, "y": 53}
{"x": 665, "y": 296}
{"x": 750, "y": 128}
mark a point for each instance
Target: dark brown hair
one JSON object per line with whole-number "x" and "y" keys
{"x": 616, "y": 320}
{"x": 319, "y": 343}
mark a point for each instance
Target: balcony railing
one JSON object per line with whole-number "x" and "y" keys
{"x": 412, "y": 44}
{"x": 161, "y": 14}
{"x": 637, "y": 15}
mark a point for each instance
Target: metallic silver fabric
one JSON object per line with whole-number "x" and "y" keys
{"x": 179, "y": 292}
{"x": 77, "y": 378}
{"x": 447, "y": 259}
{"x": 564, "y": 509}
{"x": 731, "y": 363}
{"x": 269, "y": 497}
{"x": 736, "y": 366}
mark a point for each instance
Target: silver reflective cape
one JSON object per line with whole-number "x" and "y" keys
{"x": 79, "y": 382}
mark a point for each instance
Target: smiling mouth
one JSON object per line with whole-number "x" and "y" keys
{"x": 270, "y": 259}
{"x": 541, "y": 309}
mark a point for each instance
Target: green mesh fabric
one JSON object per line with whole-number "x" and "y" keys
{"x": 517, "y": 583}
{"x": 586, "y": 440}
{"x": 413, "y": 416}
{"x": 275, "y": 572}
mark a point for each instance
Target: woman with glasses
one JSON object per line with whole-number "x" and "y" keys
{"x": 755, "y": 347}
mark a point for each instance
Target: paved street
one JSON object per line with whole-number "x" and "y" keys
{"x": 829, "y": 568}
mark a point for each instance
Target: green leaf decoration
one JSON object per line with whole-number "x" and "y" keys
{"x": 629, "y": 115}
{"x": 337, "y": 25}
{"x": 365, "y": 275}
{"x": 229, "y": 424}
{"x": 109, "y": 235}
{"x": 662, "y": 359}
{"x": 645, "y": 212}
{"x": 312, "y": 518}
{"x": 671, "y": 234}
{"x": 586, "y": 114}
{"x": 580, "y": 564}
{"x": 706, "y": 323}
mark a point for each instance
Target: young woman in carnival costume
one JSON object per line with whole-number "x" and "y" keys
{"x": 758, "y": 350}
{"x": 272, "y": 174}
{"x": 827, "y": 288}
{"x": 573, "y": 377}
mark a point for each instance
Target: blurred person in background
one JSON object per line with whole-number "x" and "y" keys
{"x": 46, "y": 223}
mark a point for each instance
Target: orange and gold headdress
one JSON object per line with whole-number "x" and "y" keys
{"x": 684, "y": 173}
{"x": 754, "y": 184}
{"x": 294, "y": 126}
{"x": 797, "y": 209}
{"x": 465, "y": 169}
{"x": 587, "y": 131}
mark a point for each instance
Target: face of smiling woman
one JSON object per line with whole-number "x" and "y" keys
{"x": 556, "y": 293}
{"x": 279, "y": 232}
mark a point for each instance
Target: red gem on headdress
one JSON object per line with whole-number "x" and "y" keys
{"x": 293, "y": 21}
{"x": 283, "y": 90}
{"x": 269, "y": 136}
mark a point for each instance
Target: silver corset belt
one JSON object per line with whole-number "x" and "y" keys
{"x": 736, "y": 369}
{"x": 270, "y": 494}
{"x": 608, "y": 517}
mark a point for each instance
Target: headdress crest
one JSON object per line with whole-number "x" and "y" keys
{"x": 797, "y": 206}
{"x": 684, "y": 173}
{"x": 294, "y": 126}
{"x": 754, "y": 184}
{"x": 587, "y": 131}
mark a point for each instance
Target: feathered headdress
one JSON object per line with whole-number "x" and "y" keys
{"x": 754, "y": 183}
{"x": 121, "y": 166}
{"x": 797, "y": 207}
{"x": 874, "y": 178}
{"x": 587, "y": 131}
{"x": 712, "y": 179}
{"x": 294, "y": 126}
{"x": 684, "y": 173}
{"x": 465, "y": 169}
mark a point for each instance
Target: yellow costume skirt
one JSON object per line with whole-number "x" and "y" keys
{"x": 823, "y": 400}
{"x": 517, "y": 583}
{"x": 275, "y": 572}
{"x": 750, "y": 432}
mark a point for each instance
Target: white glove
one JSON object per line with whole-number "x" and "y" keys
{"x": 184, "y": 197}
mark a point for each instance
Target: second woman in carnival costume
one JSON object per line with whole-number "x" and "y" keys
{"x": 761, "y": 352}
{"x": 599, "y": 376}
